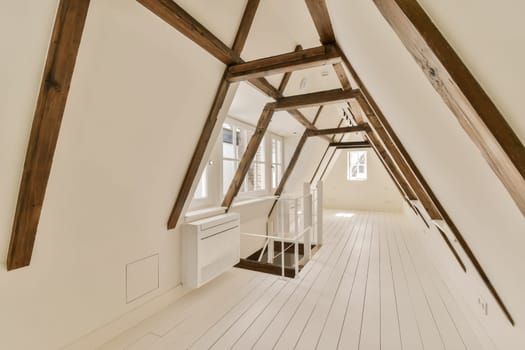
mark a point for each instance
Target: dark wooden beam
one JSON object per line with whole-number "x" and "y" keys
{"x": 332, "y": 139}
{"x": 341, "y": 75}
{"x": 399, "y": 160}
{"x": 403, "y": 159}
{"x": 58, "y": 71}
{"x": 178, "y": 18}
{"x": 394, "y": 180}
{"x": 334, "y": 151}
{"x": 283, "y": 63}
{"x": 390, "y": 165}
{"x": 244, "y": 28}
{"x": 198, "y": 154}
{"x": 319, "y": 13}
{"x": 317, "y": 115}
{"x": 287, "y": 75}
{"x": 291, "y": 164}
{"x": 293, "y": 161}
{"x": 451, "y": 247}
{"x": 355, "y": 110}
{"x": 465, "y": 97}
{"x": 315, "y": 99}
{"x": 350, "y": 145}
{"x": 249, "y": 153}
{"x": 303, "y": 120}
{"x": 211, "y": 121}
{"x": 343, "y": 130}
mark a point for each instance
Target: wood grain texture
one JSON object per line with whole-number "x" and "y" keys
{"x": 321, "y": 18}
{"x": 287, "y": 75}
{"x": 458, "y": 88}
{"x": 340, "y": 130}
{"x": 350, "y": 145}
{"x": 182, "y": 21}
{"x": 54, "y": 89}
{"x": 288, "y": 62}
{"x": 317, "y": 115}
{"x": 403, "y": 159}
{"x": 341, "y": 75}
{"x": 245, "y": 26}
{"x": 315, "y": 99}
{"x": 178, "y": 18}
{"x": 451, "y": 247}
{"x": 399, "y": 160}
{"x": 291, "y": 164}
{"x": 249, "y": 154}
{"x": 332, "y": 139}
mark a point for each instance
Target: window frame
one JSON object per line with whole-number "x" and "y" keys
{"x": 279, "y": 164}
{"x": 350, "y": 164}
{"x": 266, "y": 146}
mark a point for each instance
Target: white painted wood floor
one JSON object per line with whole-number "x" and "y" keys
{"x": 369, "y": 287}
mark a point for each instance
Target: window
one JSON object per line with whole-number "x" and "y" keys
{"x": 356, "y": 169}
{"x": 265, "y": 170}
{"x": 256, "y": 178}
{"x": 277, "y": 160}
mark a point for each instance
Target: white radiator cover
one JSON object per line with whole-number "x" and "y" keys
{"x": 210, "y": 247}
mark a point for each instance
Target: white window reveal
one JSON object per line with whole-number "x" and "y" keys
{"x": 265, "y": 170}
{"x": 356, "y": 169}
{"x": 277, "y": 160}
{"x": 202, "y": 188}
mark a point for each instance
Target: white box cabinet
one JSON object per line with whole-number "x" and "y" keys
{"x": 210, "y": 247}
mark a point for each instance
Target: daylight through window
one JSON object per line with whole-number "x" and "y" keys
{"x": 356, "y": 169}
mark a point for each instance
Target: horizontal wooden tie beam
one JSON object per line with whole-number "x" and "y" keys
{"x": 315, "y": 99}
{"x": 288, "y": 62}
{"x": 333, "y": 131}
{"x": 345, "y": 145}
{"x": 179, "y": 19}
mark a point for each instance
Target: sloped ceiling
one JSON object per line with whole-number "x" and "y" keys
{"x": 140, "y": 95}
{"x": 464, "y": 183}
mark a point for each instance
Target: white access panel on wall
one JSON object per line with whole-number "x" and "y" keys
{"x": 209, "y": 247}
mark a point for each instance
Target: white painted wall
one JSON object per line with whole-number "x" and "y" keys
{"x": 139, "y": 97}
{"x": 378, "y": 192}
{"x": 489, "y": 36}
{"x": 310, "y": 156}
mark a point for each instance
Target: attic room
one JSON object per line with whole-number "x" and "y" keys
{"x": 256, "y": 174}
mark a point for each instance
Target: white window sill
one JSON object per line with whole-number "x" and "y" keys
{"x": 252, "y": 201}
{"x": 195, "y": 215}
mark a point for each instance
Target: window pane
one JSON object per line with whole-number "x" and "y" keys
{"x": 243, "y": 137}
{"x": 228, "y": 170}
{"x": 255, "y": 178}
{"x": 227, "y": 141}
{"x": 202, "y": 187}
{"x": 356, "y": 165}
{"x": 276, "y": 175}
{"x": 259, "y": 156}
{"x": 260, "y": 177}
{"x": 276, "y": 151}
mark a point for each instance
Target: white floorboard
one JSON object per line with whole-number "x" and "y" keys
{"x": 370, "y": 287}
